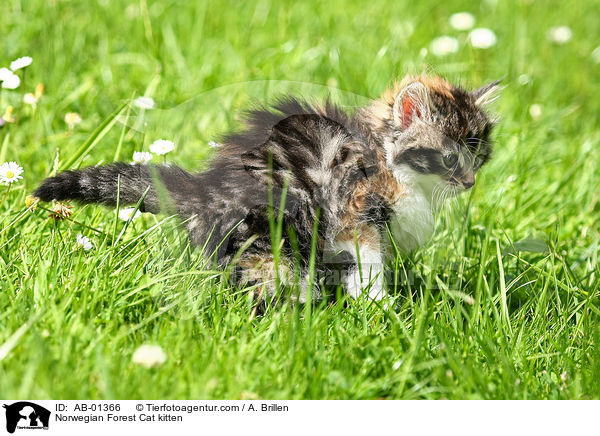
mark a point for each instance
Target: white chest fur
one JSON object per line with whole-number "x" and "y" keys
{"x": 412, "y": 220}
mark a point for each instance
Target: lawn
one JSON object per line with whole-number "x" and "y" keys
{"x": 503, "y": 302}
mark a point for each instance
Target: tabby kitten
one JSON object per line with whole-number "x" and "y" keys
{"x": 346, "y": 180}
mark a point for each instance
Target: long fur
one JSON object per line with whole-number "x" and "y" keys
{"x": 351, "y": 174}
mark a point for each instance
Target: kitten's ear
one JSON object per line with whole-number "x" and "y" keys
{"x": 487, "y": 94}
{"x": 412, "y": 101}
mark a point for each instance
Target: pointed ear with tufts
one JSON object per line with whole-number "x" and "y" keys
{"x": 411, "y": 102}
{"x": 487, "y": 94}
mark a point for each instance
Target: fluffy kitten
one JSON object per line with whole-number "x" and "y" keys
{"x": 350, "y": 177}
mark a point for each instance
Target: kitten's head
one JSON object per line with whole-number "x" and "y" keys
{"x": 435, "y": 131}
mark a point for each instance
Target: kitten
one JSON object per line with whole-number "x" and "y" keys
{"x": 343, "y": 180}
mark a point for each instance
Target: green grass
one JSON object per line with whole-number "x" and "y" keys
{"x": 504, "y": 301}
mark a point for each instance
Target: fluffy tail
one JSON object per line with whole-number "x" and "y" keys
{"x": 129, "y": 183}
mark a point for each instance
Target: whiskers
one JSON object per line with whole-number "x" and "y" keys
{"x": 441, "y": 193}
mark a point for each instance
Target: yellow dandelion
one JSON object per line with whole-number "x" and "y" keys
{"x": 32, "y": 202}
{"x": 8, "y": 115}
{"x": 39, "y": 90}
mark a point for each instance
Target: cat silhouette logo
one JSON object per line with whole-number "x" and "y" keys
{"x": 26, "y": 415}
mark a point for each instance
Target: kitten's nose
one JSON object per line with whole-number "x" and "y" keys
{"x": 468, "y": 184}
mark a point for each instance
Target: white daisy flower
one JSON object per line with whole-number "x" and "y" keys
{"x": 462, "y": 20}
{"x": 560, "y": 34}
{"x": 213, "y": 144}
{"x": 4, "y": 73}
{"x": 444, "y": 45}
{"x": 30, "y": 99}
{"x": 10, "y": 81}
{"x": 127, "y": 214}
{"x": 72, "y": 119}
{"x": 149, "y": 356}
{"x": 84, "y": 242}
{"x": 162, "y": 146}
{"x": 596, "y": 55}
{"x": 23, "y": 62}
{"x": 10, "y": 172}
{"x": 535, "y": 110}
{"x": 141, "y": 157}
{"x": 482, "y": 38}
{"x": 144, "y": 103}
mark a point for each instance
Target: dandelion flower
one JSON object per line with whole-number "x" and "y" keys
{"x": 560, "y": 34}
{"x": 144, "y": 103}
{"x": 72, "y": 119}
{"x": 60, "y": 210}
{"x": 444, "y": 45}
{"x": 482, "y": 38}
{"x": 8, "y": 115}
{"x": 10, "y": 81}
{"x": 32, "y": 202}
{"x": 535, "y": 110}
{"x": 149, "y": 356}
{"x": 84, "y": 242}
{"x": 30, "y": 99}
{"x": 127, "y": 214}
{"x": 10, "y": 172}
{"x": 462, "y": 21}
{"x": 162, "y": 146}
{"x": 213, "y": 144}
{"x": 141, "y": 157}
{"x": 39, "y": 90}
{"x": 22, "y": 62}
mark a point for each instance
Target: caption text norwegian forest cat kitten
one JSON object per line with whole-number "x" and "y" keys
{"x": 354, "y": 178}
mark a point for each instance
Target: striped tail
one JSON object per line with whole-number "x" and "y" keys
{"x": 103, "y": 184}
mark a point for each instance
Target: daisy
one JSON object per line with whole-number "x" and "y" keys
{"x": 30, "y": 99}
{"x": 141, "y": 157}
{"x": 23, "y": 62}
{"x": 72, "y": 119}
{"x": 482, "y": 38}
{"x": 462, "y": 21}
{"x": 560, "y": 34}
{"x": 144, "y": 103}
{"x": 10, "y": 81}
{"x": 149, "y": 356}
{"x": 444, "y": 45}
{"x": 4, "y": 73}
{"x": 84, "y": 242}
{"x": 162, "y": 146}
{"x": 214, "y": 144}
{"x": 10, "y": 172}
{"x": 535, "y": 110}
{"x": 127, "y": 214}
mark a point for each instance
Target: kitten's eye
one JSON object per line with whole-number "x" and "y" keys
{"x": 450, "y": 160}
